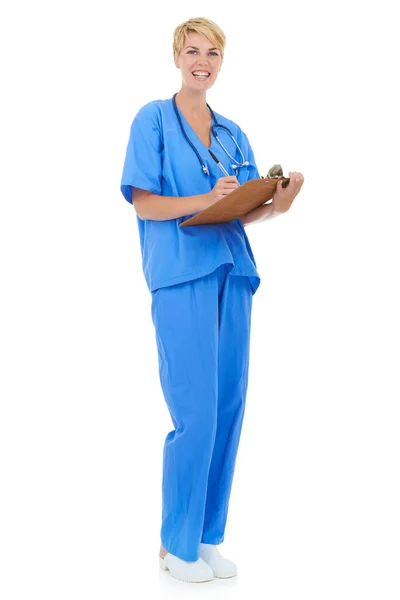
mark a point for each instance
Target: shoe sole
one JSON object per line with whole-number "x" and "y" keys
{"x": 164, "y": 567}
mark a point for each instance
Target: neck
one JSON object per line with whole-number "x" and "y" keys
{"x": 192, "y": 102}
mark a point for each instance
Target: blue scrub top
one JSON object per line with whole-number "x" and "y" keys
{"x": 160, "y": 160}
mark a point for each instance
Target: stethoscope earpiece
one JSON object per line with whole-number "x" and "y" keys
{"x": 245, "y": 164}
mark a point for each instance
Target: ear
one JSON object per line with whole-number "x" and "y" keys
{"x": 176, "y": 60}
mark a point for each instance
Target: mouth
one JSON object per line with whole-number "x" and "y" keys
{"x": 203, "y": 75}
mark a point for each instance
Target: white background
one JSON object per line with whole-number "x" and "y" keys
{"x": 314, "y": 505}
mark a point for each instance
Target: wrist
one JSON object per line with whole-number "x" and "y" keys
{"x": 277, "y": 208}
{"x": 206, "y": 200}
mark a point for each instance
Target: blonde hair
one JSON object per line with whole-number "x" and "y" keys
{"x": 199, "y": 25}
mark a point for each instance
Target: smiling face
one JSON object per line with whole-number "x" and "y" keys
{"x": 201, "y": 57}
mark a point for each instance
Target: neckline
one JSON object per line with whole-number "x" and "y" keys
{"x": 192, "y": 131}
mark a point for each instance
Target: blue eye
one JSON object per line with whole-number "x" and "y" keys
{"x": 190, "y": 51}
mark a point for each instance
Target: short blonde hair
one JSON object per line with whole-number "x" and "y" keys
{"x": 199, "y": 25}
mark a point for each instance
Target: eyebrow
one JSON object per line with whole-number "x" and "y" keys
{"x": 194, "y": 47}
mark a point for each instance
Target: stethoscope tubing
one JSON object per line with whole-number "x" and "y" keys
{"x": 204, "y": 167}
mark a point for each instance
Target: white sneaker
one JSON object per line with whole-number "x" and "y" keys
{"x": 221, "y": 567}
{"x": 195, "y": 571}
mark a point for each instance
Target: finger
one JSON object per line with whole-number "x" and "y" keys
{"x": 298, "y": 176}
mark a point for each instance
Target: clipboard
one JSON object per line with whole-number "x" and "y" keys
{"x": 238, "y": 203}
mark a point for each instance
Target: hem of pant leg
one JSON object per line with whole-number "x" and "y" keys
{"x": 209, "y": 539}
{"x": 173, "y": 549}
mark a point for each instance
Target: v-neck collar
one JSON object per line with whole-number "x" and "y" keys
{"x": 192, "y": 131}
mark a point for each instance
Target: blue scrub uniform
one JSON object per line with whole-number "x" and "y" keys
{"x": 202, "y": 280}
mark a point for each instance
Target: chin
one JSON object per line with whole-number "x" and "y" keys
{"x": 201, "y": 88}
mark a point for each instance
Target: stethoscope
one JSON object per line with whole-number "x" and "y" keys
{"x": 237, "y": 165}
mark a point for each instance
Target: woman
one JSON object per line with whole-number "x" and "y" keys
{"x": 202, "y": 279}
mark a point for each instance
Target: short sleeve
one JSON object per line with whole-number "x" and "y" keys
{"x": 253, "y": 170}
{"x": 143, "y": 159}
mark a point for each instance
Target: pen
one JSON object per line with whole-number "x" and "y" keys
{"x": 218, "y": 163}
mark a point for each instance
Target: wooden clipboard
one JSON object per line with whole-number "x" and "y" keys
{"x": 238, "y": 203}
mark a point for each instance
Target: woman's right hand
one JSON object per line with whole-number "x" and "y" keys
{"x": 223, "y": 187}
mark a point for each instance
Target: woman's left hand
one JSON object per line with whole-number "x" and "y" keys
{"x": 283, "y": 197}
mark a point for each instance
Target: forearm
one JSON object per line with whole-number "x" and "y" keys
{"x": 259, "y": 214}
{"x": 163, "y": 208}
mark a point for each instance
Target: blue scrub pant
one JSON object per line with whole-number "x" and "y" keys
{"x": 203, "y": 334}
